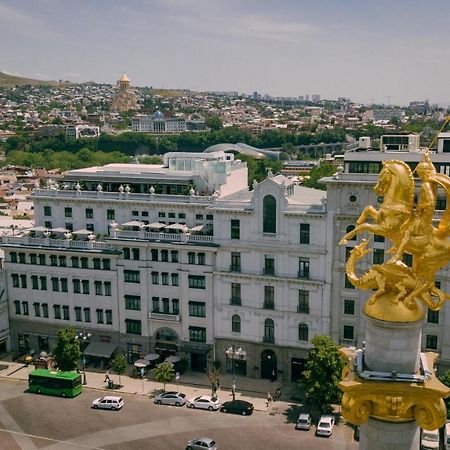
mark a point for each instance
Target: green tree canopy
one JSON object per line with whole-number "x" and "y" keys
{"x": 318, "y": 172}
{"x": 151, "y": 160}
{"x": 67, "y": 350}
{"x": 322, "y": 373}
{"x": 164, "y": 373}
{"x": 119, "y": 365}
{"x": 214, "y": 123}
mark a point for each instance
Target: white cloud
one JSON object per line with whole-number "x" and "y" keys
{"x": 18, "y": 22}
{"x": 11, "y": 16}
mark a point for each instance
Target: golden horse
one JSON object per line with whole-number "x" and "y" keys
{"x": 396, "y": 185}
{"x": 430, "y": 246}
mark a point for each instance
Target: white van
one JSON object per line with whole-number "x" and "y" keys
{"x": 447, "y": 436}
{"x": 430, "y": 440}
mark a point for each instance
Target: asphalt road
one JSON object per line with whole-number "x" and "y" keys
{"x": 31, "y": 422}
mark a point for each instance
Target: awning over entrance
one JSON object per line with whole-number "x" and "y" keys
{"x": 166, "y": 346}
{"x": 195, "y": 347}
{"x": 100, "y": 349}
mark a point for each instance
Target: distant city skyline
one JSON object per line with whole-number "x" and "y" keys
{"x": 382, "y": 52}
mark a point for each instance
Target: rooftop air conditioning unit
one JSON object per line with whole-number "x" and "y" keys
{"x": 364, "y": 142}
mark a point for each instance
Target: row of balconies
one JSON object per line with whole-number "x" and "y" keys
{"x": 271, "y": 271}
{"x": 170, "y": 317}
{"x": 165, "y": 316}
{"x": 237, "y": 301}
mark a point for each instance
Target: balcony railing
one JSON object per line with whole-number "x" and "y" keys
{"x": 165, "y": 316}
{"x": 49, "y": 242}
{"x": 303, "y": 274}
{"x": 269, "y": 339}
{"x": 268, "y": 305}
{"x": 171, "y": 237}
{"x": 303, "y": 309}
{"x": 235, "y": 301}
{"x": 269, "y": 271}
{"x": 235, "y": 268}
{"x": 124, "y": 195}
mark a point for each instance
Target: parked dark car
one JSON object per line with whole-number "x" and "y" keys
{"x": 237, "y": 407}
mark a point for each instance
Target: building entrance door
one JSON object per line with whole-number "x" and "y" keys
{"x": 268, "y": 365}
{"x": 297, "y": 367}
{"x": 198, "y": 362}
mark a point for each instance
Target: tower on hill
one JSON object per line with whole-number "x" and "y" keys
{"x": 125, "y": 98}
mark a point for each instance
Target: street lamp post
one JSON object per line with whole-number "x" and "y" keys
{"x": 82, "y": 337}
{"x": 231, "y": 351}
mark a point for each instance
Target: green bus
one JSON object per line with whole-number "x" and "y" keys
{"x": 62, "y": 384}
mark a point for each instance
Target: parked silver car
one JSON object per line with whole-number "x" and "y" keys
{"x": 201, "y": 444}
{"x": 171, "y": 398}
{"x": 303, "y": 422}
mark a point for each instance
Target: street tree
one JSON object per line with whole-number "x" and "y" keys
{"x": 67, "y": 352}
{"x": 213, "y": 377}
{"x": 164, "y": 373}
{"x": 322, "y": 373}
{"x": 119, "y": 365}
{"x": 445, "y": 379}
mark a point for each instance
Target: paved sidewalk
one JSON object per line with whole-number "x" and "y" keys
{"x": 191, "y": 383}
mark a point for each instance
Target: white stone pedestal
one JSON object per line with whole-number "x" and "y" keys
{"x": 392, "y": 346}
{"x": 378, "y": 435}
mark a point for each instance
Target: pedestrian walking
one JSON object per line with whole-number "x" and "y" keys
{"x": 274, "y": 376}
{"x": 269, "y": 399}
{"x": 277, "y": 394}
{"x": 107, "y": 377}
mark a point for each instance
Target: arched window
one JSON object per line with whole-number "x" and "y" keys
{"x": 236, "y": 324}
{"x": 269, "y": 214}
{"x": 269, "y": 331}
{"x": 351, "y": 228}
{"x": 303, "y": 332}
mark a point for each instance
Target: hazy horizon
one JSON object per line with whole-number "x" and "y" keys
{"x": 385, "y": 52}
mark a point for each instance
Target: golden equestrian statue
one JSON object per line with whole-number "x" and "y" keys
{"x": 401, "y": 291}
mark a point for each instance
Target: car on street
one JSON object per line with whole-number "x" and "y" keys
{"x": 108, "y": 402}
{"x": 204, "y": 402}
{"x": 237, "y": 407}
{"x": 429, "y": 440}
{"x": 201, "y": 444}
{"x": 303, "y": 422}
{"x": 171, "y": 398}
{"x": 325, "y": 426}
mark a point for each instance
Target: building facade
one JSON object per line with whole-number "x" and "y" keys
{"x": 177, "y": 259}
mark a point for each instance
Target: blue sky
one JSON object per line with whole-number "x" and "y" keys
{"x": 364, "y": 50}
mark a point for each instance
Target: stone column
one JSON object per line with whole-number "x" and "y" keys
{"x": 391, "y": 347}
{"x": 379, "y": 435}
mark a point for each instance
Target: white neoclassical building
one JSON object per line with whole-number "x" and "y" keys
{"x": 271, "y": 288}
{"x": 177, "y": 259}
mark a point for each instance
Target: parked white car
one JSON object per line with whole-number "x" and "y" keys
{"x": 108, "y": 402}
{"x": 325, "y": 426}
{"x": 204, "y": 402}
{"x": 430, "y": 440}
